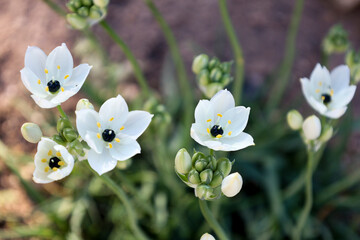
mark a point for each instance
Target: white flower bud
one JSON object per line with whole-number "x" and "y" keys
{"x": 232, "y": 184}
{"x": 183, "y": 161}
{"x": 31, "y": 132}
{"x": 101, "y": 3}
{"x": 84, "y": 104}
{"x": 207, "y": 236}
{"x": 312, "y": 127}
{"x": 294, "y": 119}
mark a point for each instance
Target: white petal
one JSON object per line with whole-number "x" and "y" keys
{"x": 113, "y": 113}
{"x": 199, "y": 134}
{"x": 125, "y": 149}
{"x": 336, "y": 113}
{"x": 66, "y": 170}
{"x": 101, "y": 163}
{"x": 40, "y": 176}
{"x": 340, "y": 78}
{"x": 238, "y": 142}
{"x": 95, "y": 143}
{"x": 30, "y": 81}
{"x": 59, "y": 57}
{"x": 320, "y": 74}
{"x": 343, "y": 98}
{"x": 222, "y": 101}
{"x": 35, "y": 60}
{"x": 306, "y": 89}
{"x": 136, "y": 123}
{"x": 204, "y": 111}
{"x": 238, "y": 116}
{"x": 62, "y": 97}
{"x": 43, "y": 102}
{"x": 78, "y": 77}
{"x": 86, "y": 120}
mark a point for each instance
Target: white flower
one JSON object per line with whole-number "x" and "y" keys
{"x": 232, "y": 184}
{"x": 111, "y": 133}
{"x": 329, "y": 94}
{"x": 219, "y": 124}
{"x": 207, "y": 236}
{"x": 312, "y": 127}
{"x": 52, "y": 162}
{"x": 52, "y": 79}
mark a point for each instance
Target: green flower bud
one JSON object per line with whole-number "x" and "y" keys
{"x": 194, "y": 177}
{"x": 217, "y": 179}
{"x": 200, "y": 62}
{"x": 327, "y": 133}
{"x": 63, "y": 123}
{"x": 214, "y": 62}
{"x": 203, "y": 192}
{"x": 197, "y": 156}
{"x": 70, "y": 6}
{"x": 294, "y": 119}
{"x": 215, "y": 75}
{"x": 76, "y": 3}
{"x": 101, "y": 3}
{"x": 212, "y": 162}
{"x": 201, "y": 164}
{"x": 224, "y": 166}
{"x": 84, "y": 104}
{"x": 69, "y": 134}
{"x": 183, "y": 161}
{"x": 226, "y": 67}
{"x": 83, "y": 11}
{"x": 204, "y": 77}
{"x": 75, "y": 147}
{"x": 336, "y": 41}
{"x": 96, "y": 12}
{"x": 76, "y": 21}
{"x": 206, "y": 176}
{"x": 59, "y": 140}
{"x": 226, "y": 79}
{"x": 352, "y": 59}
{"x": 87, "y": 2}
{"x": 31, "y": 132}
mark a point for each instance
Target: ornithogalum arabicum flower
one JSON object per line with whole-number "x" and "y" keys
{"x": 52, "y": 162}
{"x": 111, "y": 133}
{"x": 329, "y": 93}
{"x": 219, "y": 124}
{"x": 52, "y": 79}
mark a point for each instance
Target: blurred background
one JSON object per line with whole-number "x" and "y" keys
{"x": 261, "y": 26}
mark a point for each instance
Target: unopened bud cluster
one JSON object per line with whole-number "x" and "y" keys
{"x": 336, "y": 41}
{"x": 85, "y": 13}
{"x": 202, "y": 172}
{"x": 211, "y": 74}
{"x": 352, "y": 59}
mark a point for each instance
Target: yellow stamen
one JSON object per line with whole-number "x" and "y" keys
{"x": 116, "y": 139}
{"x": 331, "y": 92}
{"x": 209, "y": 120}
{"x": 58, "y": 154}
{"x": 44, "y": 160}
{"x": 47, "y": 88}
{"x": 219, "y": 115}
{"x": 54, "y": 169}
{"x": 50, "y": 153}
{"x": 317, "y": 90}
{"x": 61, "y": 163}
{"x": 322, "y": 98}
{"x": 110, "y": 145}
{"x": 46, "y": 71}
{"x": 230, "y": 133}
{"x": 58, "y": 67}
{"x": 219, "y": 136}
{"x": 66, "y": 76}
{"x": 46, "y": 169}
{"x": 229, "y": 122}
{"x": 111, "y": 119}
{"x": 98, "y": 124}
{"x": 208, "y": 130}
{"x": 98, "y": 135}
{"x": 320, "y": 84}
{"x": 122, "y": 128}
{"x": 39, "y": 82}
{"x": 62, "y": 89}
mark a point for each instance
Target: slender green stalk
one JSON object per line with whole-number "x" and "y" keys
{"x": 212, "y": 221}
{"x": 61, "y": 111}
{"x": 239, "y": 60}
{"x": 286, "y": 66}
{"x": 309, "y": 198}
{"x": 55, "y": 7}
{"x": 130, "y": 56}
{"x": 184, "y": 82}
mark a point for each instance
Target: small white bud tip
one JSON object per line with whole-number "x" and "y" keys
{"x": 312, "y": 127}
{"x": 232, "y": 184}
{"x": 183, "y": 161}
{"x": 31, "y": 132}
{"x": 294, "y": 119}
{"x": 207, "y": 236}
{"x": 84, "y": 104}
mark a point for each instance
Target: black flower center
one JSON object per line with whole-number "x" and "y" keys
{"x": 54, "y": 86}
{"x": 108, "y": 135}
{"x": 54, "y": 162}
{"x": 216, "y": 130}
{"x": 326, "y": 98}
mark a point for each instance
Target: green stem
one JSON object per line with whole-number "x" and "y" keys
{"x": 61, "y": 111}
{"x": 288, "y": 61}
{"x": 239, "y": 60}
{"x": 130, "y": 56}
{"x": 211, "y": 220}
{"x": 55, "y": 7}
{"x": 131, "y": 215}
{"x": 184, "y": 82}
{"x": 309, "y": 198}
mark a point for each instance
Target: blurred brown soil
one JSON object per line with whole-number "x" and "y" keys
{"x": 261, "y": 26}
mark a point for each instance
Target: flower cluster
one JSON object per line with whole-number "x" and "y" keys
{"x": 336, "y": 40}
{"x": 352, "y": 59}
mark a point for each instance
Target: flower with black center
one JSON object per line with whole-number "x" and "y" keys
{"x": 329, "y": 93}
{"x": 52, "y": 162}
{"x": 219, "y": 125}
{"x": 111, "y": 133}
{"x": 52, "y": 79}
